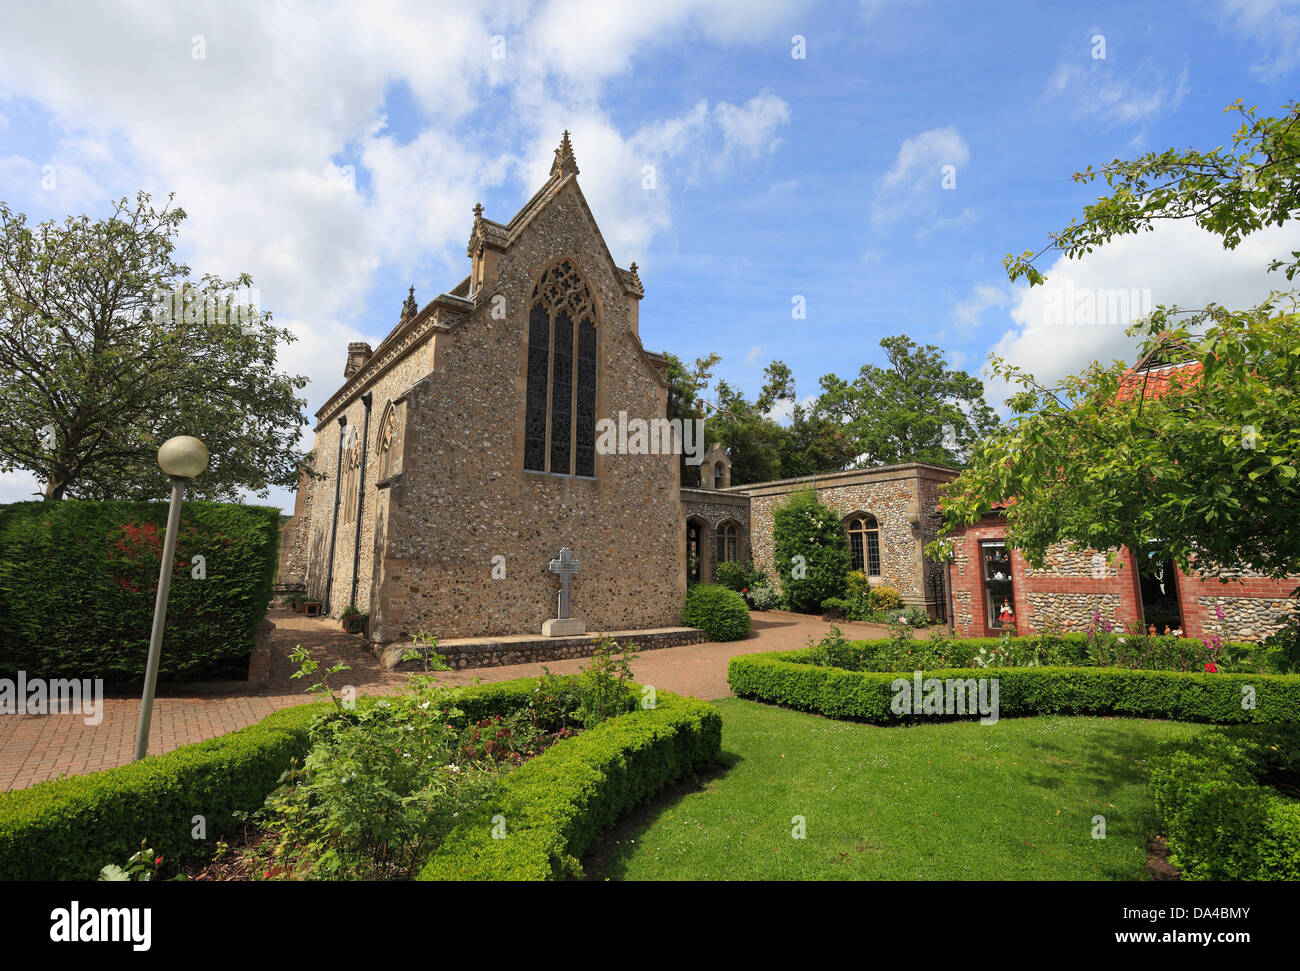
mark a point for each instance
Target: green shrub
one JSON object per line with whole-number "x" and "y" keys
{"x": 790, "y": 679}
{"x": 731, "y": 575}
{"x": 1218, "y": 809}
{"x": 1282, "y": 647}
{"x": 838, "y": 608}
{"x": 720, "y": 612}
{"x": 857, "y": 587}
{"x": 804, "y": 526}
{"x": 886, "y": 598}
{"x": 1160, "y": 653}
{"x": 762, "y": 597}
{"x": 78, "y": 580}
{"x": 554, "y": 808}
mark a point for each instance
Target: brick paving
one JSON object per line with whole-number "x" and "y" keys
{"x": 34, "y": 748}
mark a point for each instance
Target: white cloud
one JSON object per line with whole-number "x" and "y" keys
{"x": 1114, "y": 89}
{"x": 1275, "y": 26}
{"x": 18, "y": 486}
{"x": 782, "y": 411}
{"x": 1178, "y": 263}
{"x": 751, "y": 358}
{"x": 250, "y": 135}
{"x": 984, "y": 296}
{"x": 913, "y": 184}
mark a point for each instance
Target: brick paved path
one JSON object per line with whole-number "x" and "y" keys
{"x": 34, "y": 748}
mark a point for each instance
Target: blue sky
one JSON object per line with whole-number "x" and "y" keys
{"x": 335, "y": 152}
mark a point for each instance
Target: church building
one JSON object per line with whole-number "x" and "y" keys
{"x": 459, "y": 456}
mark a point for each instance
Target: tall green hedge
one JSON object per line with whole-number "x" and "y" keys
{"x": 78, "y": 580}
{"x": 778, "y": 678}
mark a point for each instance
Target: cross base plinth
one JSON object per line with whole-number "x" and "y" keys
{"x": 563, "y": 627}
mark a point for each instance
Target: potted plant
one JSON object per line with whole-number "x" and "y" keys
{"x": 353, "y": 620}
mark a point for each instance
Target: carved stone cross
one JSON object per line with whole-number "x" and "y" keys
{"x": 565, "y": 565}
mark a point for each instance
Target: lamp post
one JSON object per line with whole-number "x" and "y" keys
{"x": 182, "y": 458}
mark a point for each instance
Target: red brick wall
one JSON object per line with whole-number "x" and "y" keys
{"x": 1252, "y": 606}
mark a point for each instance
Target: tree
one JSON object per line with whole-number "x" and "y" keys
{"x": 108, "y": 348}
{"x": 1206, "y": 472}
{"x": 809, "y": 550}
{"x": 686, "y": 387}
{"x": 753, "y": 439}
{"x": 916, "y": 410}
{"x": 814, "y": 444}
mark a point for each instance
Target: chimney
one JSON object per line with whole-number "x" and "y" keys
{"x": 358, "y": 354}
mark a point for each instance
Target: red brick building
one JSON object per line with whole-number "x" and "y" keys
{"x": 984, "y": 575}
{"x": 991, "y": 585}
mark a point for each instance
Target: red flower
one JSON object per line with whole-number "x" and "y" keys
{"x": 1212, "y": 667}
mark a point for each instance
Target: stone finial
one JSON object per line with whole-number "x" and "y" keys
{"x": 565, "y": 163}
{"x": 478, "y": 212}
{"x": 635, "y": 276}
{"x": 409, "y": 309}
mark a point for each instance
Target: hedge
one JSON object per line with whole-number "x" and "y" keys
{"x": 866, "y": 696}
{"x": 70, "y": 828}
{"x": 78, "y": 580}
{"x": 1077, "y": 641}
{"x": 1221, "y": 822}
{"x": 721, "y": 613}
{"x": 556, "y": 806}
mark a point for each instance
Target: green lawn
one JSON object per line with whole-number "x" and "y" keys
{"x": 958, "y": 800}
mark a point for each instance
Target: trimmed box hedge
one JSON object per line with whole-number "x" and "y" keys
{"x": 786, "y": 678}
{"x": 1076, "y": 642}
{"x": 69, "y": 829}
{"x": 1221, "y": 820}
{"x": 78, "y": 580}
{"x": 558, "y": 805}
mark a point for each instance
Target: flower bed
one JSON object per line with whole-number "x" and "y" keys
{"x": 554, "y": 808}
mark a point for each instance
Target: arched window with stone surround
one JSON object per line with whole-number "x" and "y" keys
{"x": 728, "y": 540}
{"x": 864, "y": 544}
{"x": 560, "y": 396}
{"x": 384, "y": 443}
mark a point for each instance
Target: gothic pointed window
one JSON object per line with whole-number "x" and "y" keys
{"x": 560, "y": 398}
